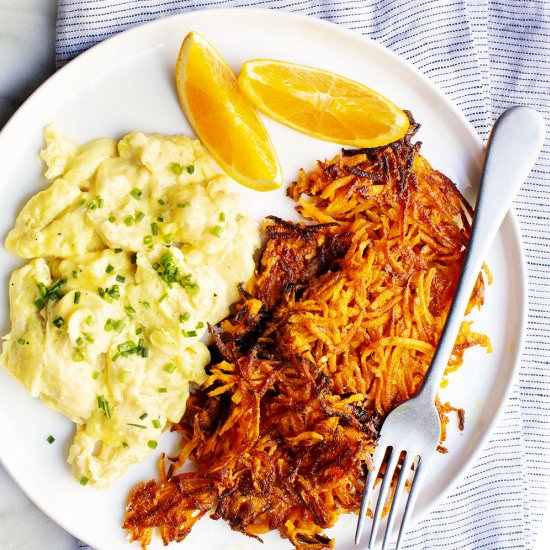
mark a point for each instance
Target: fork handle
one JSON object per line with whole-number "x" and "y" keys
{"x": 512, "y": 149}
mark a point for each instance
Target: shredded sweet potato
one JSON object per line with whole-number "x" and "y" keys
{"x": 337, "y": 329}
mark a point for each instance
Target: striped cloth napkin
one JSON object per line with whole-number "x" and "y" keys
{"x": 486, "y": 55}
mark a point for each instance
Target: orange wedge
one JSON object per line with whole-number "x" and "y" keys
{"x": 322, "y": 104}
{"x": 223, "y": 119}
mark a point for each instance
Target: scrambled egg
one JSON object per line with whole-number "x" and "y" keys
{"x": 135, "y": 246}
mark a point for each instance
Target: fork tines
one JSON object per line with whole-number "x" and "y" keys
{"x": 405, "y": 461}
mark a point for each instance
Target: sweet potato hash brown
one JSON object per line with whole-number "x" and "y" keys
{"x": 337, "y": 328}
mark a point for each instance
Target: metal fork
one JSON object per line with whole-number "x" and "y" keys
{"x": 414, "y": 427}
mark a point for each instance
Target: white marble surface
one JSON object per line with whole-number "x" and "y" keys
{"x": 27, "y": 30}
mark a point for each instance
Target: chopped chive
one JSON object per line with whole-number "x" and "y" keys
{"x": 144, "y": 352}
{"x": 113, "y": 292}
{"x": 125, "y": 445}
{"x": 43, "y": 289}
{"x": 119, "y": 325}
{"x": 160, "y": 219}
{"x": 92, "y": 205}
{"x": 163, "y": 297}
{"x": 162, "y": 202}
{"x": 103, "y": 404}
{"x": 95, "y": 375}
{"x": 217, "y": 231}
{"x": 109, "y": 269}
{"x": 78, "y": 355}
{"x": 75, "y": 274}
{"x": 168, "y": 238}
{"x": 190, "y": 169}
{"x": 76, "y": 297}
{"x": 143, "y": 416}
{"x": 100, "y": 202}
{"x": 50, "y": 439}
{"x": 129, "y": 220}
{"x": 115, "y": 357}
{"x": 176, "y": 168}
{"x": 147, "y": 240}
{"x": 58, "y": 322}
{"x": 156, "y": 423}
{"x": 117, "y": 250}
{"x": 183, "y": 204}
{"x": 130, "y": 310}
{"x": 185, "y": 316}
{"x": 221, "y": 217}
{"x": 120, "y": 279}
{"x": 79, "y": 341}
{"x": 152, "y": 444}
{"x": 39, "y": 303}
{"x": 21, "y": 341}
{"x": 136, "y": 193}
{"x": 108, "y": 326}
{"x": 141, "y": 426}
{"x": 139, "y": 330}
{"x": 83, "y": 480}
{"x": 88, "y": 337}
{"x": 126, "y": 346}
{"x": 112, "y": 219}
{"x": 154, "y": 229}
{"x": 189, "y": 333}
{"x": 88, "y": 320}
{"x": 169, "y": 368}
{"x": 55, "y": 287}
{"x": 162, "y": 390}
{"x": 140, "y": 215}
{"x": 156, "y": 265}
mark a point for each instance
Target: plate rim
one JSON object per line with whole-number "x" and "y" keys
{"x": 82, "y": 59}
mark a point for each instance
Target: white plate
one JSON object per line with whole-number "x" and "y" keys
{"x": 127, "y": 83}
